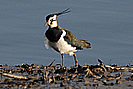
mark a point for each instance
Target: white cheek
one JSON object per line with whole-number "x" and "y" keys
{"x": 49, "y": 22}
{"x": 54, "y": 24}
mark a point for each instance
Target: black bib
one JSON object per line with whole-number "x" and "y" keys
{"x": 53, "y": 34}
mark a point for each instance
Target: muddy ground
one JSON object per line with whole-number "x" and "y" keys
{"x": 54, "y": 76}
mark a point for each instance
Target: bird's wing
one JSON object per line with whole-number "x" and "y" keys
{"x": 75, "y": 42}
{"x": 46, "y": 42}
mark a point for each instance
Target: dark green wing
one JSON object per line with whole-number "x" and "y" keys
{"x": 75, "y": 42}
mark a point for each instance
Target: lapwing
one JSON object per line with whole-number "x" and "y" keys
{"x": 62, "y": 40}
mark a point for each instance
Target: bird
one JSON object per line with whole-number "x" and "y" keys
{"x": 62, "y": 40}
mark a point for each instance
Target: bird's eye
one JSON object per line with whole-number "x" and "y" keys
{"x": 51, "y": 21}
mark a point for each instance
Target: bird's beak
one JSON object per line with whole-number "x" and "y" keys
{"x": 46, "y": 24}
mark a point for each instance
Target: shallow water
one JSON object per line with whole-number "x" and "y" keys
{"x": 107, "y": 24}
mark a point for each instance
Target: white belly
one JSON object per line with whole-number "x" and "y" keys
{"x": 62, "y": 46}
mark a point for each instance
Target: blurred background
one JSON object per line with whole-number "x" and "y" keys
{"x": 107, "y": 24}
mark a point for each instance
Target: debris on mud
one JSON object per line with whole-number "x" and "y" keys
{"x": 55, "y": 76}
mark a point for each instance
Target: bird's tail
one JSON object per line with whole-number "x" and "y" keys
{"x": 86, "y": 44}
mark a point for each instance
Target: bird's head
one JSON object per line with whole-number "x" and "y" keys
{"x": 51, "y": 19}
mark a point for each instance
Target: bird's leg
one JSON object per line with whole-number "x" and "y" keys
{"x": 62, "y": 60}
{"x": 76, "y": 61}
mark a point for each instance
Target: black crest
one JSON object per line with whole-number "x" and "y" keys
{"x": 63, "y": 12}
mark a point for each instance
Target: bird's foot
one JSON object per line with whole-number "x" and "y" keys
{"x": 76, "y": 65}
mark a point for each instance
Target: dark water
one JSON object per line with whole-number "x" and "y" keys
{"x": 107, "y": 24}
